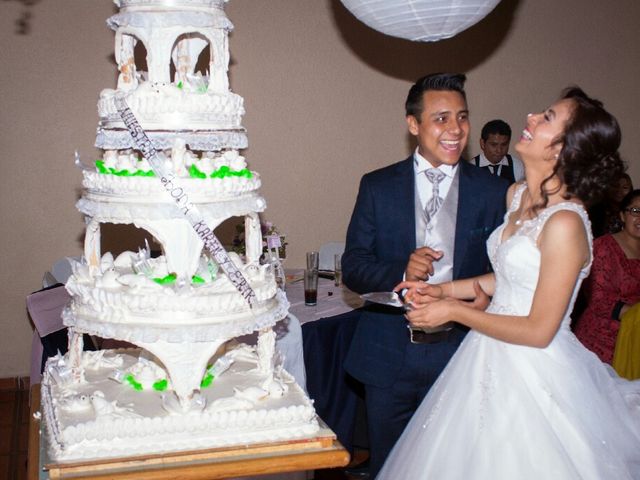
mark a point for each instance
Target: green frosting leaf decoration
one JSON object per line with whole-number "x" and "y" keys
{"x": 132, "y": 381}
{"x": 222, "y": 172}
{"x": 122, "y": 173}
{"x": 207, "y": 381}
{"x": 194, "y": 172}
{"x": 180, "y": 85}
{"x": 100, "y": 166}
{"x": 166, "y": 280}
{"x": 161, "y": 385}
{"x": 225, "y": 171}
{"x": 197, "y": 279}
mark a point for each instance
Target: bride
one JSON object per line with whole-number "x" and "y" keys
{"x": 522, "y": 398}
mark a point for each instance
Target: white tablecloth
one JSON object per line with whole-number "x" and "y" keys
{"x": 332, "y": 300}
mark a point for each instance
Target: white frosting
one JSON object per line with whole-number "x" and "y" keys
{"x": 118, "y": 295}
{"x": 102, "y": 418}
{"x": 91, "y": 406}
{"x": 174, "y": 33}
{"x": 182, "y": 323}
{"x": 213, "y": 140}
{"x": 166, "y": 107}
{"x": 142, "y": 188}
{"x": 125, "y": 209}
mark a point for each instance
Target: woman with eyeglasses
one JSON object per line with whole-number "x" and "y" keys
{"x": 605, "y": 215}
{"x": 614, "y": 284}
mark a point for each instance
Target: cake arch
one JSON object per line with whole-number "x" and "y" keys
{"x": 160, "y": 34}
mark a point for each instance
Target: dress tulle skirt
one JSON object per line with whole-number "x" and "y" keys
{"x": 509, "y": 412}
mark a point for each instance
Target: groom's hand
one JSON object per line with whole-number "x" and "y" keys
{"x": 420, "y": 266}
{"x": 418, "y": 294}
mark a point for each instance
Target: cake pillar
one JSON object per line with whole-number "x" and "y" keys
{"x": 266, "y": 348}
{"x": 180, "y": 244}
{"x": 253, "y": 238}
{"x": 185, "y": 364}
{"x": 92, "y": 246}
{"x": 125, "y": 47}
{"x": 75, "y": 345}
{"x": 219, "y": 63}
{"x": 159, "y": 55}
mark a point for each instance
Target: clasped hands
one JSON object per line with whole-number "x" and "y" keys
{"x": 432, "y": 305}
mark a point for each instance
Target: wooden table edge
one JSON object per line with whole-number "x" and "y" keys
{"x": 328, "y": 453}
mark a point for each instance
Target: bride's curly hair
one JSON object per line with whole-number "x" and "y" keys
{"x": 588, "y": 162}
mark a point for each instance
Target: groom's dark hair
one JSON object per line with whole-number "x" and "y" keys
{"x": 435, "y": 81}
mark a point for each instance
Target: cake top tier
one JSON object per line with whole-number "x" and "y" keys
{"x": 170, "y": 4}
{"x": 173, "y": 62}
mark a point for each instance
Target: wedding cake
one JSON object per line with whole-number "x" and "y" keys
{"x": 189, "y": 385}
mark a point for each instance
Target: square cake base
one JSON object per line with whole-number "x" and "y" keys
{"x": 99, "y": 417}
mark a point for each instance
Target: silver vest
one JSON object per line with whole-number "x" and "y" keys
{"x": 441, "y": 232}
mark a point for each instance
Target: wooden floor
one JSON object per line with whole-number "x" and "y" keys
{"x": 14, "y": 427}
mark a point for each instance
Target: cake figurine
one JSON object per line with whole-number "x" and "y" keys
{"x": 188, "y": 385}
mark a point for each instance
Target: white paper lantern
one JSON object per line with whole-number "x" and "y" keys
{"x": 420, "y": 20}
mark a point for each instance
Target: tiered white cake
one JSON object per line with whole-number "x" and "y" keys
{"x": 189, "y": 386}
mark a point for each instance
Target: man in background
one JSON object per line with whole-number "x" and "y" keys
{"x": 494, "y": 142}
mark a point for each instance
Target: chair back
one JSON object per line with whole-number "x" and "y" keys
{"x": 61, "y": 270}
{"x": 45, "y": 309}
{"x": 327, "y": 254}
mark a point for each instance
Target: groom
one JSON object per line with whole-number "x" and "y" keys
{"x": 427, "y": 217}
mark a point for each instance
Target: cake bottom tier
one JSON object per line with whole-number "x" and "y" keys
{"x": 99, "y": 417}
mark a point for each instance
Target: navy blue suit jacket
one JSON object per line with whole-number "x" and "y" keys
{"x": 381, "y": 237}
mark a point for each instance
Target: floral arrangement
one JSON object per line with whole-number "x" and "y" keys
{"x": 270, "y": 238}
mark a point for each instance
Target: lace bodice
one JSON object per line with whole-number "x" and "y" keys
{"x": 516, "y": 260}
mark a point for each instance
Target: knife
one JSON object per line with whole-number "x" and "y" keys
{"x": 391, "y": 299}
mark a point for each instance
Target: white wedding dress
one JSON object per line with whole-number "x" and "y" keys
{"x": 507, "y": 412}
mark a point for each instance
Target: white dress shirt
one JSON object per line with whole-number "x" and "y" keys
{"x": 424, "y": 186}
{"x": 443, "y": 270}
{"x": 518, "y": 167}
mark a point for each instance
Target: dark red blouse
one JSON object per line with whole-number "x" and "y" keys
{"x": 613, "y": 278}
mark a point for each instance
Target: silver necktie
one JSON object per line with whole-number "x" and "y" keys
{"x": 435, "y": 176}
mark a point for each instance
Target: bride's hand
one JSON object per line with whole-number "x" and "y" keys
{"x": 430, "y": 311}
{"x": 419, "y": 293}
{"x": 482, "y": 300}
{"x": 432, "y": 314}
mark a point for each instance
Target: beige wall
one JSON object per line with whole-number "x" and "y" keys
{"x": 324, "y": 97}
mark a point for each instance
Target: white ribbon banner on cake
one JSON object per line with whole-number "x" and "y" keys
{"x": 178, "y": 193}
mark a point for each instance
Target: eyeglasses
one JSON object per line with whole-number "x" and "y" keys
{"x": 633, "y": 211}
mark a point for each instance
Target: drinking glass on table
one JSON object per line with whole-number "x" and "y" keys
{"x": 337, "y": 269}
{"x": 313, "y": 260}
{"x": 310, "y": 287}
